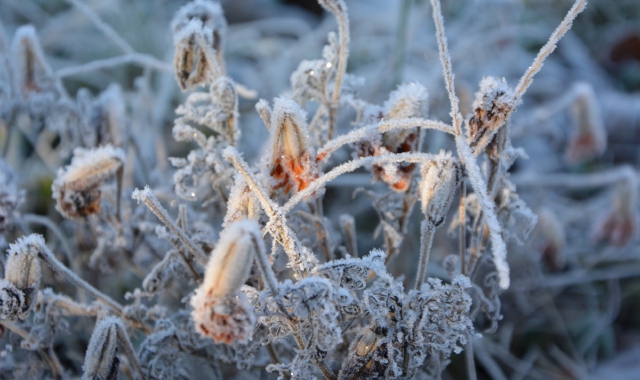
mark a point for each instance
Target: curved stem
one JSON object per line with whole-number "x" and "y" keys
{"x": 427, "y": 231}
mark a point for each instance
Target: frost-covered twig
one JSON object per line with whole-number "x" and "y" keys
{"x": 351, "y": 166}
{"x": 445, "y": 59}
{"x": 380, "y": 127}
{"x": 146, "y": 196}
{"x": 137, "y": 58}
{"x": 549, "y": 47}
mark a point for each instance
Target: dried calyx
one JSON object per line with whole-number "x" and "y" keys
{"x": 493, "y": 104}
{"x": 77, "y": 186}
{"x": 32, "y": 74}
{"x": 199, "y": 30}
{"x": 220, "y": 311}
{"x": 292, "y": 164}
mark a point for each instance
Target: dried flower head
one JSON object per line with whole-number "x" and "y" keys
{"x": 10, "y": 196}
{"x": 551, "y": 240}
{"x": 219, "y": 311}
{"x": 101, "y": 362}
{"x": 440, "y": 178}
{"x": 621, "y": 224}
{"x": 199, "y": 29}
{"x": 77, "y": 186}
{"x": 588, "y": 138}
{"x": 291, "y": 165}
{"x": 492, "y": 106}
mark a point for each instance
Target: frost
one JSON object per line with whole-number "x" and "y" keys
{"x": 100, "y": 361}
{"x": 440, "y": 178}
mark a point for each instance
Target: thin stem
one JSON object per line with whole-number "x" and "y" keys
{"x": 427, "y": 231}
{"x": 462, "y": 232}
{"x": 267, "y": 272}
{"x": 111, "y": 34}
{"x": 128, "y": 350}
{"x": 549, "y": 47}
{"x": 446, "y": 66}
{"x": 348, "y": 226}
{"x": 154, "y": 205}
{"x": 145, "y": 60}
{"x": 381, "y": 127}
{"x": 349, "y": 167}
{"x": 575, "y": 181}
{"x": 469, "y": 358}
{"x": 48, "y": 257}
{"x": 231, "y": 154}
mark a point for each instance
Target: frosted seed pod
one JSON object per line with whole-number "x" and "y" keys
{"x": 367, "y": 342}
{"x": 224, "y": 96}
{"x": 12, "y": 301}
{"x": 621, "y": 224}
{"x": 77, "y": 186}
{"x": 588, "y": 138}
{"x": 100, "y": 361}
{"x": 409, "y": 100}
{"x": 199, "y": 30}
{"x": 22, "y": 269}
{"x": 230, "y": 262}
{"x": 493, "y": 104}
{"x": 440, "y": 178}
{"x": 552, "y": 240}
{"x": 32, "y": 74}
{"x": 292, "y": 165}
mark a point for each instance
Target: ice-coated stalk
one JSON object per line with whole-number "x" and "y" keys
{"x": 154, "y": 205}
{"x": 427, "y": 230}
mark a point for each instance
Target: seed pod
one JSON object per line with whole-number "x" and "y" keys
{"x": 409, "y": 100}
{"x": 22, "y": 270}
{"x": 224, "y": 96}
{"x": 440, "y": 178}
{"x": 292, "y": 166}
{"x": 31, "y": 72}
{"x": 12, "y": 302}
{"x": 589, "y": 138}
{"x": 361, "y": 362}
{"x": 101, "y": 362}
{"x": 199, "y": 31}
{"x": 552, "y": 240}
{"x": 621, "y": 224}
{"x": 219, "y": 311}
{"x": 77, "y": 187}
{"x": 493, "y": 104}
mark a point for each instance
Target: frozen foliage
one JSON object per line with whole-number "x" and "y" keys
{"x": 259, "y": 274}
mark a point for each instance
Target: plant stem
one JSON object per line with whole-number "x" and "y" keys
{"x": 463, "y": 226}
{"x": 427, "y": 231}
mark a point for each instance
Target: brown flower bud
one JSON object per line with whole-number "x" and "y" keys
{"x": 440, "y": 178}
{"x": 77, "y": 187}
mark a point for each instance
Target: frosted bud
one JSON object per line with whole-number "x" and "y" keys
{"x": 361, "y": 363}
{"x": 101, "y": 362}
{"x": 588, "y": 138}
{"x": 409, "y": 100}
{"x": 219, "y": 310}
{"x": 551, "y": 240}
{"x": 224, "y": 96}
{"x": 366, "y": 343}
{"x": 77, "y": 186}
{"x": 621, "y": 224}
{"x": 32, "y": 74}
{"x": 440, "y": 178}
{"x": 242, "y": 203}
{"x": 265, "y": 112}
{"x": 108, "y": 116}
{"x": 199, "y": 30}
{"x": 292, "y": 165}
{"x": 493, "y": 104}
{"x": 22, "y": 267}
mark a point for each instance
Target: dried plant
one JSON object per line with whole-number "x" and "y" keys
{"x": 263, "y": 272}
